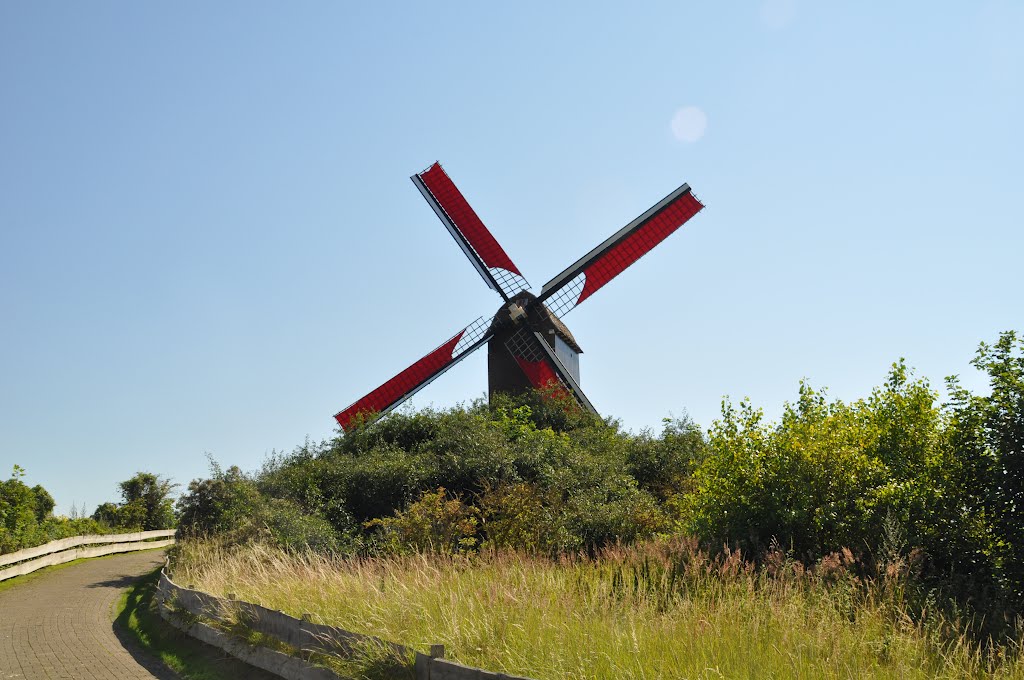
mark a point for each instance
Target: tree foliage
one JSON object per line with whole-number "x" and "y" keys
{"x": 26, "y": 516}
{"x": 229, "y": 504}
{"x": 146, "y": 504}
{"x": 988, "y": 436}
{"x": 827, "y": 475}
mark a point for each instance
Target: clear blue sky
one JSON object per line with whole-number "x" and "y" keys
{"x": 209, "y": 242}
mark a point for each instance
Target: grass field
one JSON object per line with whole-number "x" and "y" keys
{"x": 656, "y": 611}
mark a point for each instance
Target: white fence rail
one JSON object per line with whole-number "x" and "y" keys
{"x": 78, "y": 547}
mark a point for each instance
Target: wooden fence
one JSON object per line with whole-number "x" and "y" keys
{"x": 78, "y": 547}
{"x": 185, "y": 609}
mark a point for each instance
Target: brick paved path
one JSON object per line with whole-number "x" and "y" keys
{"x": 60, "y": 625}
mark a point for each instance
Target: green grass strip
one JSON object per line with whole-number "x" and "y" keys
{"x": 136, "y": 614}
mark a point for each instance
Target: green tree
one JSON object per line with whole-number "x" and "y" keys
{"x": 107, "y": 513}
{"x": 147, "y": 498}
{"x": 436, "y": 522}
{"x": 146, "y": 504}
{"x": 26, "y": 516}
{"x": 226, "y": 501}
{"x": 230, "y": 505}
{"x": 43, "y": 501}
{"x": 18, "y": 516}
{"x": 989, "y": 441}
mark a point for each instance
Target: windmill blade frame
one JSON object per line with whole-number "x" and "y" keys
{"x": 592, "y": 271}
{"x": 420, "y": 374}
{"x": 541, "y": 365}
{"x": 489, "y": 259}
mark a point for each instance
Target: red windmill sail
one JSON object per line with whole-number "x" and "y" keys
{"x": 626, "y": 246}
{"x": 480, "y": 246}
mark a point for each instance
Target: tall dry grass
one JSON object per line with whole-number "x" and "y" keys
{"x": 655, "y": 611}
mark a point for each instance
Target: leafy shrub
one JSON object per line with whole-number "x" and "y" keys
{"x": 230, "y": 505}
{"x": 518, "y": 516}
{"x": 225, "y": 503}
{"x": 434, "y": 523}
{"x": 549, "y": 408}
{"x": 826, "y": 476}
{"x": 295, "y": 530}
{"x": 662, "y": 465}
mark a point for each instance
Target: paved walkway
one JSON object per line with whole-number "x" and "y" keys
{"x": 60, "y": 625}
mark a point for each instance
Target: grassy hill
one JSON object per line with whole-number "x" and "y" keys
{"x": 895, "y": 518}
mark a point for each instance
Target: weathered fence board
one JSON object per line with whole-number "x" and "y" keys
{"x": 272, "y": 661}
{"x": 304, "y": 635}
{"x": 77, "y": 554}
{"x": 442, "y": 669}
{"x": 75, "y": 541}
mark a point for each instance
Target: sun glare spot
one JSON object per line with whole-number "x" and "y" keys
{"x": 689, "y": 124}
{"x": 776, "y": 14}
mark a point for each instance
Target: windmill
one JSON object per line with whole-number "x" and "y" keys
{"x": 529, "y": 346}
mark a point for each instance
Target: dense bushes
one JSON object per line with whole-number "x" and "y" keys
{"x": 881, "y": 476}
{"x": 26, "y": 518}
{"x": 827, "y": 475}
{"x": 571, "y": 487}
{"x": 948, "y": 480}
{"x": 229, "y": 504}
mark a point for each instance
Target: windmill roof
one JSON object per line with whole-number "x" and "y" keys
{"x": 560, "y": 329}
